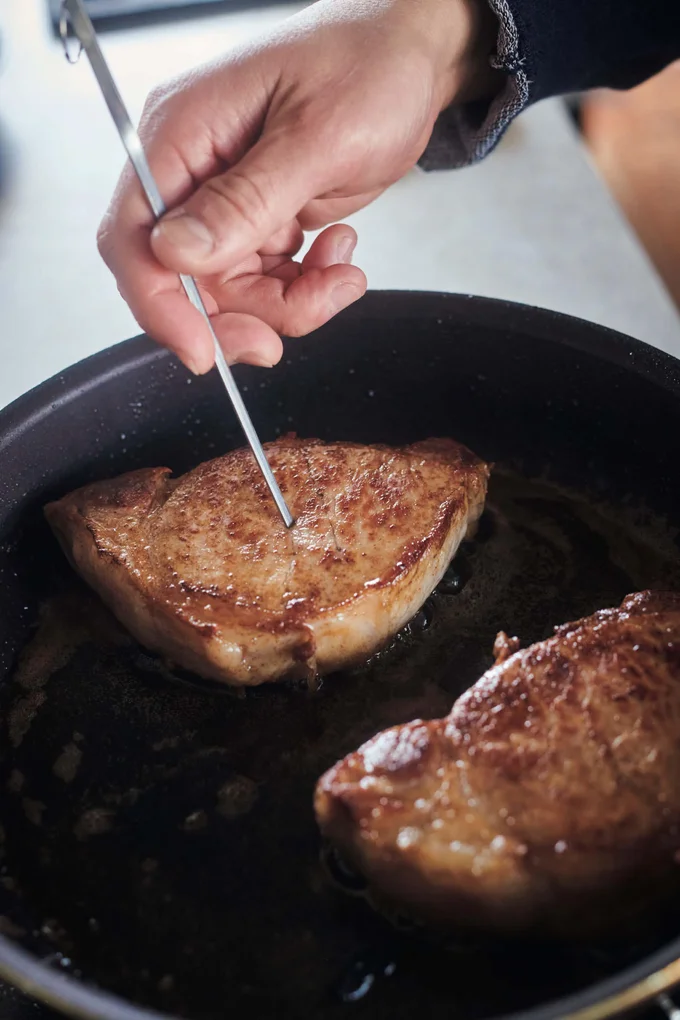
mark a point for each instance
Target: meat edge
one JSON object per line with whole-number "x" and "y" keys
{"x": 252, "y": 656}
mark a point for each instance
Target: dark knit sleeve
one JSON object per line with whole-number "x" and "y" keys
{"x": 553, "y": 47}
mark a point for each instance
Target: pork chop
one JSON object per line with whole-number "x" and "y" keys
{"x": 548, "y": 799}
{"x": 202, "y": 570}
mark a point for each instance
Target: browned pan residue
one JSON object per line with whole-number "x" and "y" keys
{"x": 164, "y": 829}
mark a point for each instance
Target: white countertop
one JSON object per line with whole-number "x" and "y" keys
{"x": 532, "y": 223}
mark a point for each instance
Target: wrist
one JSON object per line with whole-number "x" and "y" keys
{"x": 465, "y": 34}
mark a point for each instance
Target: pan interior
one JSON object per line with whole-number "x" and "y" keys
{"x": 159, "y": 837}
{"x": 161, "y": 831}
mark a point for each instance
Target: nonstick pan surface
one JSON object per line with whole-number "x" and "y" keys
{"x": 159, "y": 841}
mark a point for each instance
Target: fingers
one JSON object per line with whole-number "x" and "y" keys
{"x": 156, "y": 297}
{"x": 173, "y": 322}
{"x": 335, "y": 246}
{"x": 246, "y": 339}
{"x": 321, "y": 211}
{"x": 286, "y": 241}
{"x": 162, "y": 309}
{"x": 238, "y": 212}
{"x": 179, "y": 129}
{"x": 294, "y": 298}
{"x": 249, "y": 311}
{"x": 319, "y": 294}
{"x": 291, "y": 299}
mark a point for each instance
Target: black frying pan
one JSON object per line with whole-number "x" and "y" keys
{"x": 159, "y": 838}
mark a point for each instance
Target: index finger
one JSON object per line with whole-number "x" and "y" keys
{"x": 155, "y": 296}
{"x": 181, "y": 153}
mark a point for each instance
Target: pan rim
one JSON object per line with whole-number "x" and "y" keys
{"x": 631, "y": 987}
{"x": 607, "y": 344}
{"x": 74, "y": 998}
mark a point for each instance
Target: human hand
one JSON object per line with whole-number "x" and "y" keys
{"x": 295, "y": 132}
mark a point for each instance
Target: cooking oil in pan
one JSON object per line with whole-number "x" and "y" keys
{"x": 161, "y": 833}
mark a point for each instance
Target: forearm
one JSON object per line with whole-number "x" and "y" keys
{"x": 574, "y": 45}
{"x": 546, "y": 48}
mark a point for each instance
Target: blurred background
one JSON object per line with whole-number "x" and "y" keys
{"x": 550, "y": 218}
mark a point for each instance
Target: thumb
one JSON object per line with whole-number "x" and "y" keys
{"x": 233, "y": 215}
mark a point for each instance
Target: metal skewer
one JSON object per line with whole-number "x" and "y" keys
{"x": 85, "y": 33}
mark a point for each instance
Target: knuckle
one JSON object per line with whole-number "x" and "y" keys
{"x": 235, "y": 193}
{"x": 159, "y": 106}
{"x": 293, "y": 326}
{"x": 304, "y": 309}
{"x": 299, "y": 322}
{"x": 155, "y": 100}
{"x": 104, "y": 240}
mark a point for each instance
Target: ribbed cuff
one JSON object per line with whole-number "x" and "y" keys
{"x": 465, "y": 134}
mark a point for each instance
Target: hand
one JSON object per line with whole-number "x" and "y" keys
{"x": 300, "y": 130}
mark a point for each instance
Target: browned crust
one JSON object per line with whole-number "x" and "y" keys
{"x": 145, "y": 489}
{"x": 558, "y": 773}
{"x": 198, "y": 615}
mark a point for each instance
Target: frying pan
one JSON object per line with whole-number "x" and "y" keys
{"x": 160, "y": 855}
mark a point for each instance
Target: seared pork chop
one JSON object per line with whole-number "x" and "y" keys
{"x": 549, "y": 797}
{"x": 202, "y": 570}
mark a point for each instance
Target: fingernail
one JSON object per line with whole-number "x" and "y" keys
{"x": 342, "y": 295}
{"x": 196, "y": 367}
{"x": 185, "y": 232}
{"x": 254, "y": 358}
{"x": 345, "y": 248}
